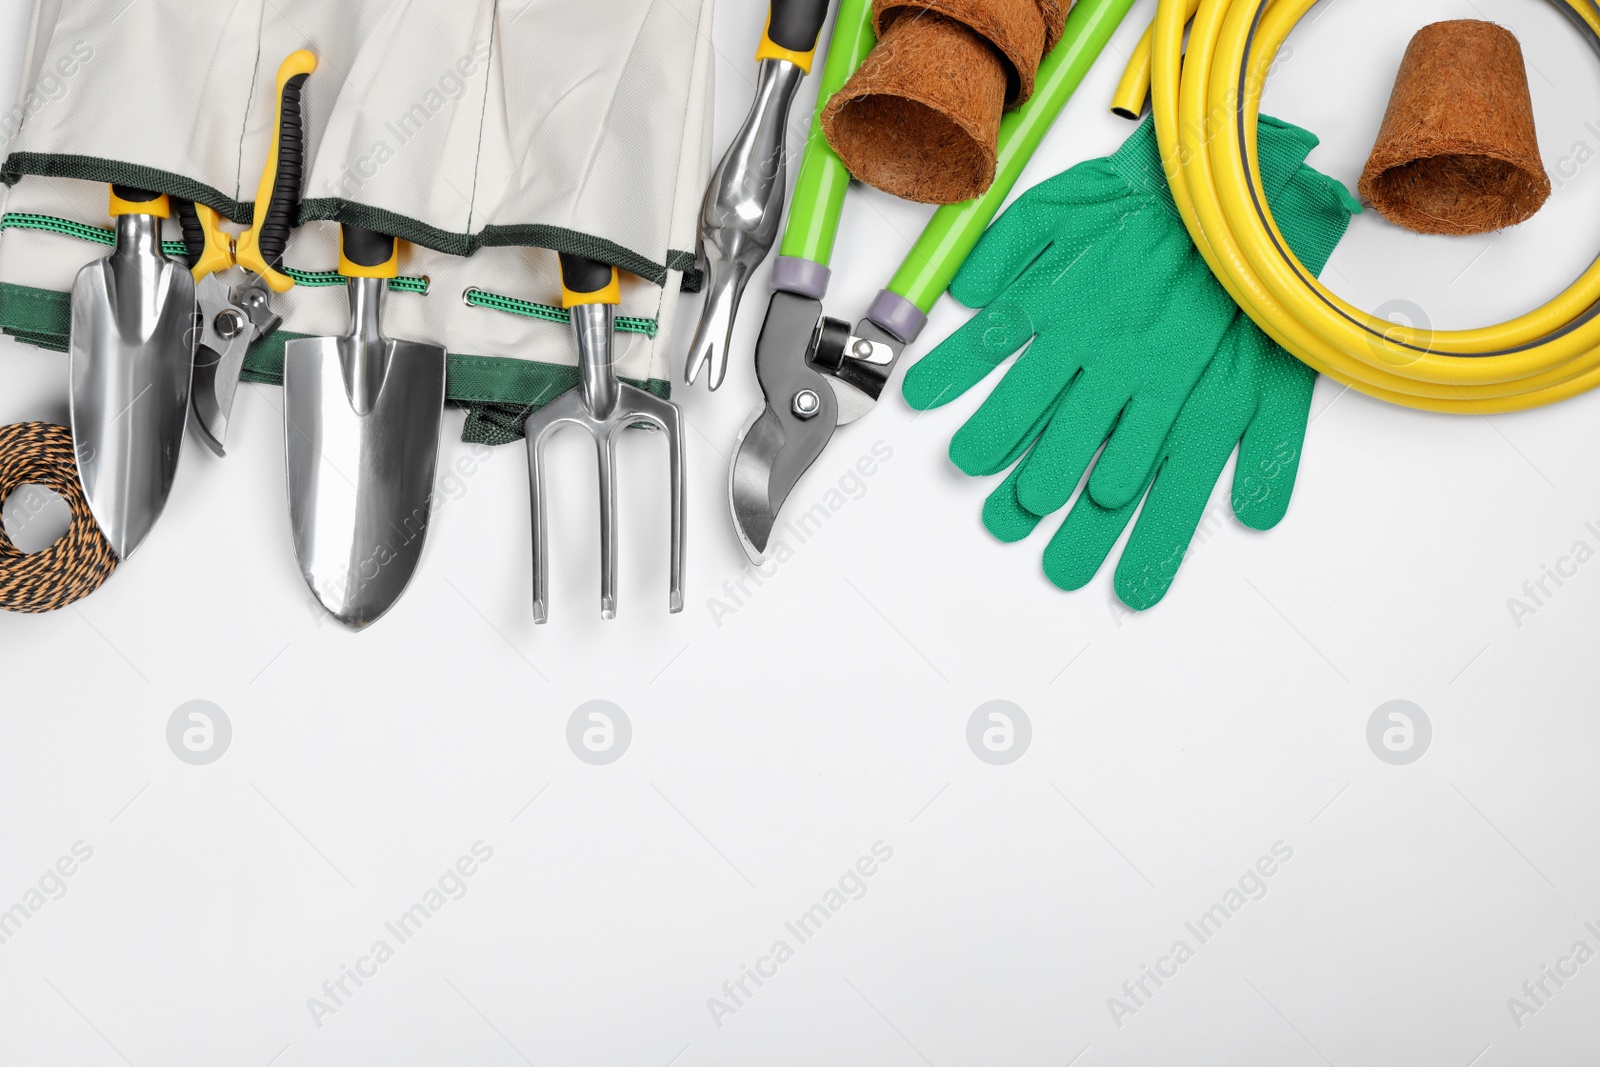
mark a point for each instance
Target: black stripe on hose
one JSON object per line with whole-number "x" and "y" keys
{"x": 1293, "y": 264}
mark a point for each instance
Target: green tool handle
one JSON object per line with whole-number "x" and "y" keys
{"x": 954, "y": 230}
{"x": 819, "y": 190}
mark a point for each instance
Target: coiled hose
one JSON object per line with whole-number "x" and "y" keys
{"x": 1206, "y": 104}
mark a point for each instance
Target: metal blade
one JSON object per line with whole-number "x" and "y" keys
{"x": 225, "y": 336}
{"x": 740, "y": 214}
{"x": 254, "y": 299}
{"x": 362, "y": 424}
{"x": 132, "y": 358}
{"x": 786, "y": 435}
{"x": 725, "y": 283}
{"x": 749, "y": 481}
{"x": 815, "y": 379}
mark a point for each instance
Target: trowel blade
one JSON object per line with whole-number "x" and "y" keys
{"x": 360, "y": 484}
{"x": 132, "y": 358}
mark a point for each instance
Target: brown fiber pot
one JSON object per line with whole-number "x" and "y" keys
{"x": 921, "y": 117}
{"x": 1458, "y": 153}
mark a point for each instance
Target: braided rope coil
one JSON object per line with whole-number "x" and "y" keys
{"x": 40, "y": 453}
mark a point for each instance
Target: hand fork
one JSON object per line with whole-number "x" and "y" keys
{"x": 604, "y": 406}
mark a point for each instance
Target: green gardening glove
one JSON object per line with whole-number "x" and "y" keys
{"x": 1095, "y": 268}
{"x": 1254, "y": 396}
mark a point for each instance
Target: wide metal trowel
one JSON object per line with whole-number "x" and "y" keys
{"x": 361, "y": 425}
{"x": 132, "y": 359}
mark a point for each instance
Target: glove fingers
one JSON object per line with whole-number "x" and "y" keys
{"x": 1004, "y": 252}
{"x": 1015, "y": 413}
{"x": 1172, "y": 512}
{"x": 1081, "y": 424}
{"x": 1281, "y": 149}
{"x": 1312, "y": 212}
{"x": 1080, "y": 547}
{"x": 1160, "y": 357}
{"x": 1003, "y": 516}
{"x": 967, "y": 356}
{"x": 1269, "y": 456}
{"x": 1125, "y": 467}
{"x": 1071, "y": 208}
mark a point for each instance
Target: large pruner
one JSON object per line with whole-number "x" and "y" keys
{"x": 817, "y": 373}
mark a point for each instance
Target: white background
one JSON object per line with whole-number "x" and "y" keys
{"x": 774, "y": 746}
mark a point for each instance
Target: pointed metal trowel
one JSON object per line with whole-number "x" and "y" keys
{"x": 132, "y": 359}
{"x": 362, "y": 414}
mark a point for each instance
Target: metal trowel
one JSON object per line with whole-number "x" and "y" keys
{"x": 132, "y": 359}
{"x": 361, "y": 423}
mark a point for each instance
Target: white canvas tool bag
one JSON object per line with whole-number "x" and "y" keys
{"x": 490, "y": 134}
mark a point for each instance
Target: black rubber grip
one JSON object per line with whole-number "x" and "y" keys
{"x": 584, "y": 275}
{"x": 365, "y": 248}
{"x": 796, "y": 24}
{"x": 134, "y": 196}
{"x": 194, "y": 235}
{"x": 284, "y": 207}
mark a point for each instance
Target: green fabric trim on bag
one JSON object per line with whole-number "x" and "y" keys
{"x": 694, "y": 279}
{"x": 52, "y": 342}
{"x": 94, "y": 169}
{"x": 177, "y": 250}
{"x": 554, "y": 238}
{"x": 337, "y": 209}
{"x": 560, "y": 239}
{"x": 497, "y": 392}
{"x": 528, "y": 309}
{"x": 28, "y": 313}
{"x": 468, "y": 379}
{"x": 317, "y": 279}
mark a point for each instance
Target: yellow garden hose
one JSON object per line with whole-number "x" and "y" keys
{"x": 1206, "y": 105}
{"x": 1134, "y": 89}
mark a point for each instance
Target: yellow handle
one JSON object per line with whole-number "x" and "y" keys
{"x": 367, "y": 253}
{"x": 159, "y": 206}
{"x": 251, "y": 257}
{"x": 217, "y": 255}
{"x": 769, "y": 49}
{"x": 610, "y": 294}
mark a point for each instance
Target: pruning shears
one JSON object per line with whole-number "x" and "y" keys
{"x": 233, "y": 317}
{"x": 818, "y": 373}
